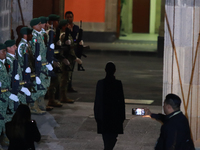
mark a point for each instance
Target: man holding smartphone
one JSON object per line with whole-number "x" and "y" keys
{"x": 175, "y": 131}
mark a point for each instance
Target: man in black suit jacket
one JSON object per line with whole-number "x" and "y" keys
{"x": 109, "y": 107}
{"x": 175, "y": 131}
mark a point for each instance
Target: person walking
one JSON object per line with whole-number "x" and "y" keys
{"x": 109, "y": 107}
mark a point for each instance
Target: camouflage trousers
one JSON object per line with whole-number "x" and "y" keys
{"x": 64, "y": 81}
{"x": 54, "y": 86}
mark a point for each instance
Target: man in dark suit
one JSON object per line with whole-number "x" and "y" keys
{"x": 109, "y": 107}
{"x": 175, "y": 131}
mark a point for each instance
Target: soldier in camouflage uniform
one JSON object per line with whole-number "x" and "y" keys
{"x": 5, "y": 95}
{"x": 10, "y": 57}
{"x": 45, "y": 36}
{"x": 44, "y": 27}
{"x": 24, "y": 46}
{"x": 71, "y": 56}
{"x": 45, "y": 80}
{"x": 54, "y": 85}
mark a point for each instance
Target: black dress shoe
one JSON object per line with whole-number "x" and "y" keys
{"x": 80, "y": 68}
{"x": 71, "y": 90}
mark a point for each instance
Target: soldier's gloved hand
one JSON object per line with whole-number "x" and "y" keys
{"x": 39, "y": 58}
{"x": 79, "y": 61}
{"x": 26, "y": 91}
{"x": 38, "y": 81}
{"x": 68, "y": 42}
{"x": 59, "y": 43}
{"x": 56, "y": 64}
{"x": 28, "y": 70}
{"x": 66, "y": 62}
{"x": 81, "y": 42}
{"x": 17, "y": 77}
{"x": 14, "y": 97}
{"x": 49, "y": 67}
{"x": 52, "y": 46}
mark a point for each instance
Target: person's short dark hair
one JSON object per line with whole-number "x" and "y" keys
{"x": 69, "y": 12}
{"x": 110, "y": 68}
{"x": 173, "y": 100}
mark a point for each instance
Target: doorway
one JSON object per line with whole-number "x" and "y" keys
{"x": 141, "y": 16}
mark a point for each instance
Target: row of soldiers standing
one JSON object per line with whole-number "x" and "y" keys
{"x": 36, "y": 67}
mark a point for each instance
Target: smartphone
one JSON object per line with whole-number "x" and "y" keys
{"x": 138, "y": 111}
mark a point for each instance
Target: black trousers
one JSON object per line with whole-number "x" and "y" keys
{"x": 109, "y": 140}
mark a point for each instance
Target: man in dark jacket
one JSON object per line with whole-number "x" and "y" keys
{"x": 109, "y": 107}
{"x": 175, "y": 131}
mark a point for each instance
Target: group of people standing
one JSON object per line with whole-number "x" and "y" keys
{"x": 29, "y": 70}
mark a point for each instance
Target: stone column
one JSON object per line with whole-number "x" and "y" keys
{"x": 160, "y": 43}
{"x": 5, "y": 20}
{"x": 184, "y": 23}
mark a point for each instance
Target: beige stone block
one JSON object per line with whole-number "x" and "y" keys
{"x": 100, "y": 27}
{"x": 92, "y": 26}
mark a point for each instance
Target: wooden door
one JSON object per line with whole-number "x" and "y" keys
{"x": 47, "y": 7}
{"x": 141, "y": 16}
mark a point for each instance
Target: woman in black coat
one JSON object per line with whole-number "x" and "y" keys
{"x": 21, "y": 131}
{"x": 109, "y": 107}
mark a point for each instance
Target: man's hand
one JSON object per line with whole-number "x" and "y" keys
{"x": 66, "y": 62}
{"x": 58, "y": 43}
{"x": 14, "y": 97}
{"x": 68, "y": 42}
{"x": 56, "y": 64}
{"x": 26, "y": 91}
{"x": 79, "y": 61}
{"x": 147, "y": 111}
{"x": 38, "y": 81}
{"x": 49, "y": 67}
{"x": 81, "y": 42}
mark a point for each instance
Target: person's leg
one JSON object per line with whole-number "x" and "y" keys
{"x": 52, "y": 90}
{"x": 64, "y": 85}
{"x": 70, "y": 88}
{"x": 109, "y": 141}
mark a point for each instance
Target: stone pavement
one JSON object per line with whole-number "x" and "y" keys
{"x": 73, "y": 127}
{"x": 124, "y": 46}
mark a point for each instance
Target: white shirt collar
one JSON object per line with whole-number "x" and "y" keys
{"x": 3, "y": 61}
{"x": 24, "y": 40}
{"x": 37, "y": 31}
{"x": 11, "y": 55}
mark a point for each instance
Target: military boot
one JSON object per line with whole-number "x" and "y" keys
{"x": 64, "y": 98}
{"x": 35, "y": 109}
{"x": 52, "y": 102}
{"x": 4, "y": 140}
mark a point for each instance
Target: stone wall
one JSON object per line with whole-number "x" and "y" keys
{"x": 10, "y": 16}
{"x": 27, "y": 11}
{"x": 5, "y": 11}
{"x": 184, "y": 18}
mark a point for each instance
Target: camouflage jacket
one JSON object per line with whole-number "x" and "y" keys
{"x": 71, "y": 56}
{"x": 38, "y": 37}
{"x": 24, "y": 47}
{"x": 9, "y": 62}
{"x": 5, "y": 84}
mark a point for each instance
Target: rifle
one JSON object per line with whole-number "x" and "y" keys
{"x": 15, "y": 83}
{"x": 27, "y": 78}
{"x": 66, "y": 48}
{"x": 50, "y": 52}
{"x": 79, "y": 51}
{"x": 80, "y": 47}
{"x": 38, "y": 66}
